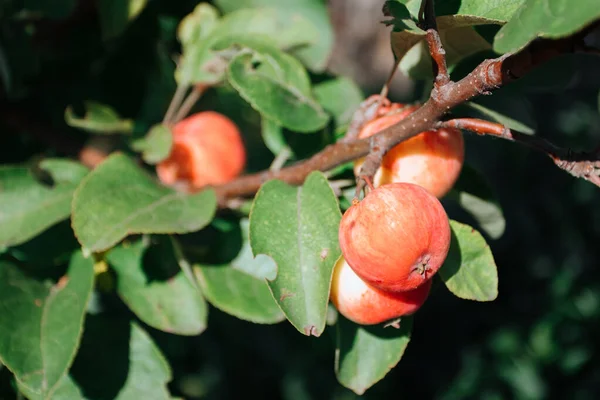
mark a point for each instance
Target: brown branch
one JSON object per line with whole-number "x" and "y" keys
{"x": 487, "y": 76}
{"x": 583, "y": 165}
{"x": 439, "y": 57}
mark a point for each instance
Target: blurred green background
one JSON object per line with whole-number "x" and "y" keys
{"x": 537, "y": 340}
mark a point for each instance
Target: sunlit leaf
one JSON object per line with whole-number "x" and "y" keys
{"x": 548, "y": 19}
{"x": 100, "y": 119}
{"x": 470, "y": 270}
{"x": 365, "y": 354}
{"x": 29, "y": 206}
{"x": 41, "y": 323}
{"x": 118, "y": 198}
{"x": 151, "y": 283}
{"x": 298, "y": 228}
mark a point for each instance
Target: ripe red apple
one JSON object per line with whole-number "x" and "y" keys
{"x": 432, "y": 159}
{"x": 207, "y": 150}
{"x": 396, "y": 238}
{"x": 366, "y": 305}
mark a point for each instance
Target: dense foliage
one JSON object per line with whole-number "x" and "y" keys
{"x": 115, "y": 285}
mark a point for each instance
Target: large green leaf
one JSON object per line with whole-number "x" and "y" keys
{"x": 118, "y": 198}
{"x": 28, "y": 206}
{"x": 240, "y": 288}
{"x": 315, "y": 54}
{"x": 118, "y": 360}
{"x": 548, "y": 19}
{"x": 99, "y": 119}
{"x": 202, "y": 61}
{"x": 41, "y": 323}
{"x": 365, "y": 354}
{"x": 470, "y": 270}
{"x": 476, "y": 197}
{"x": 115, "y": 15}
{"x": 298, "y": 228}
{"x": 277, "y": 85}
{"x": 151, "y": 283}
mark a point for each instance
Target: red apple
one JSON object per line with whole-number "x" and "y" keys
{"x": 432, "y": 159}
{"x": 207, "y": 150}
{"x": 396, "y": 238}
{"x": 366, "y": 305}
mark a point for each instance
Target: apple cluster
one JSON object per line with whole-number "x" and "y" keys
{"x": 397, "y": 238}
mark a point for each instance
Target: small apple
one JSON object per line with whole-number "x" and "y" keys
{"x": 432, "y": 159}
{"x": 396, "y": 238}
{"x": 366, "y": 305}
{"x": 207, "y": 150}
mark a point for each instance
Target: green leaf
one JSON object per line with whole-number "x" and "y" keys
{"x": 65, "y": 389}
{"x": 100, "y": 119}
{"x": 151, "y": 283}
{"x": 238, "y": 293}
{"x": 41, "y": 323}
{"x": 365, "y": 354}
{"x": 298, "y": 228}
{"x": 285, "y": 28}
{"x": 499, "y": 10}
{"x": 260, "y": 267}
{"x": 470, "y": 270}
{"x": 28, "y": 206}
{"x": 203, "y": 60}
{"x": 276, "y": 85}
{"x": 315, "y": 53}
{"x": 340, "y": 97}
{"x": 156, "y": 145}
{"x": 272, "y": 134}
{"x": 118, "y": 198}
{"x": 240, "y": 288}
{"x": 197, "y": 25}
{"x": 118, "y": 360}
{"x": 548, "y": 19}
{"x": 476, "y": 197}
{"x": 115, "y": 15}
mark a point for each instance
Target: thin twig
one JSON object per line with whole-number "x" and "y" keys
{"x": 439, "y": 57}
{"x": 585, "y": 165}
{"x": 174, "y": 104}
{"x": 189, "y": 102}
